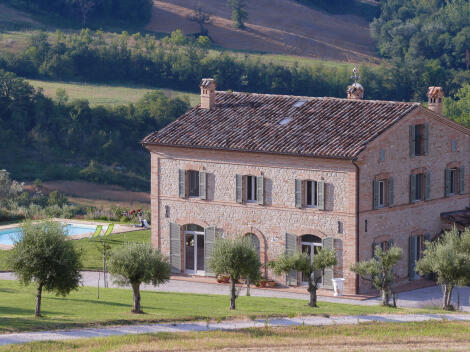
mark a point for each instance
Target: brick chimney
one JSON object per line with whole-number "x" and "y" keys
{"x": 207, "y": 86}
{"x": 435, "y": 95}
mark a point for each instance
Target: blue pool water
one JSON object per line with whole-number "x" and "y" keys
{"x": 7, "y": 236}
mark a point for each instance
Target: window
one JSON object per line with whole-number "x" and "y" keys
{"x": 454, "y": 181}
{"x": 420, "y": 186}
{"x": 382, "y": 155}
{"x": 453, "y": 145}
{"x": 383, "y": 193}
{"x": 365, "y": 225}
{"x": 340, "y": 227}
{"x": 311, "y": 195}
{"x": 416, "y": 249}
{"x": 419, "y": 139}
{"x": 251, "y": 189}
{"x": 193, "y": 183}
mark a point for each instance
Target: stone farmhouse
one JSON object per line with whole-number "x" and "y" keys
{"x": 297, "y": 173}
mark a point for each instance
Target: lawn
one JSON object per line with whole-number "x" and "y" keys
{"x": 92, "y": 249}
{"x": 423, "y": 336}
{"x": 101, "y": 94}
{"x": 82, "y": 308}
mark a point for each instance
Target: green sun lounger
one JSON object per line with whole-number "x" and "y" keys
{"x": 98, "y": 230}
{"x": 109, "y": 230}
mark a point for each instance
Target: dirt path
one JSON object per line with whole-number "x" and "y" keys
{"x": 7, "y": 339}
{"x": 278, "y": 26}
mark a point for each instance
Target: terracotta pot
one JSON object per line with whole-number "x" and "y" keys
{"x": 271, "y": 283}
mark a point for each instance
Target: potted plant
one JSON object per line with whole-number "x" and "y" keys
{"x": 223, "y": 279}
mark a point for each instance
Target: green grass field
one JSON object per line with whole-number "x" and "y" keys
{"x": 82, "y": 308}
{"x": 425, "y": 336}
{"x": 92, "y": 249}
{"x": 98, "y": 94}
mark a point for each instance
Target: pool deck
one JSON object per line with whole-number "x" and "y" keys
{"x": 118, "y": 228}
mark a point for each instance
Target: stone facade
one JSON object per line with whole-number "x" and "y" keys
{"x": 271, "y": 221}
{"x": 348, "y": 195}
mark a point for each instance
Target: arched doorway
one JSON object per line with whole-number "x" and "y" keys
{"x": 310, "y": 245}
{"x": 193, "y": 249}
{"x": 255, "y": 241}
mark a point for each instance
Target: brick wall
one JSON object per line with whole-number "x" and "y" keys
{"x": 405, "y": 219}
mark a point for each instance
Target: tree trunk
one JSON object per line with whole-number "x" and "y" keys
{"x": 38, "y": 301}
{"x": 385, "y": 297}
{"x": 136, "y": 290}
{"x": 248, "y": 284}
{"x": 233, "y": 294}
{"x": 313, "y": 292}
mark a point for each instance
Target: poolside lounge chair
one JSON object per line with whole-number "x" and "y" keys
{"x": 98, "y": 230}
{"x": 109, "y": 230}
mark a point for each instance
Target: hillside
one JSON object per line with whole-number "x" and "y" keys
{"x": 277, "y": 26}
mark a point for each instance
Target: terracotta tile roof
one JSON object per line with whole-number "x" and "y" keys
{"x": 321, "y": 127}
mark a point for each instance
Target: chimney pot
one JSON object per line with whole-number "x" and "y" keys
{"x": 208, "y": 86}
{"x": 435, "y": 99}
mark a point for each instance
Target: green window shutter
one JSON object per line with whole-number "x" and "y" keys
{"x": 291, "y": 249}
{"x": 412, "y": 188}
{"x": 239, "y": 188}
{"x": 447, "y": 183}
{"x": 427, "y": 192}
{"x": 298, "y": 194}
{"x": 426, "y": 138}
{"x": 390, "y": 192}
{"x": 391, "y": 242}
{"x": 321, "y": 195}
{"x": 462, "y": 180}
{"x": 375, "y": 192}
{"x": 328, "y": 243}
{"x": 209, "y": 239}
{"x": 427, "y": 238}
{"x": 412, "y": 258}
{"x": 374, "y": 244}
{"x": 175, "y": 248}
{"x": 260, "y": 189}
{"x": 182, "y": 183}
{"x": 202, "y": 185}
{"x": 412, "y": 141}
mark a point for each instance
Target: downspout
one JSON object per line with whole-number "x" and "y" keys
{"x": 358, "y": 171}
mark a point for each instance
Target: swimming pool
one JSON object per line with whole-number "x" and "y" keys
{"x": 7, "y": 236}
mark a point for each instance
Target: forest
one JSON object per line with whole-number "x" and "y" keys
{"x": 71, "y": 140}
{"x": 178, "y": 62}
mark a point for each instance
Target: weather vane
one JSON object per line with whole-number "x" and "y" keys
{"x": 355, "y": 75}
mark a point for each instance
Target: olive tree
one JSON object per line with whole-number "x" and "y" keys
{"x": 236, "y": 258}
{"x": 137, "y": 263}
{"x": 448, "y": 258}
{"x": 379, "y": 270}
{"x": 8, "y": 187}
{"x": 312, "y": 269}
{"x": 44, "y": 255}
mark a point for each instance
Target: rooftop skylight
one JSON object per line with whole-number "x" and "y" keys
{"x": 299, "y": 103}
{"x": 285, "y": 121}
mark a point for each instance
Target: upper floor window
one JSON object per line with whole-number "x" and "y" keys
{"x": 420, "y": 186}
{"x": 192, "y": 184}
{"x": 383, "y": 192}
{"x": 249, "y": 188}
{"x": 419, "y": 139}
{"x": 454, "y": 181}
{"x": 310, "y": 194}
